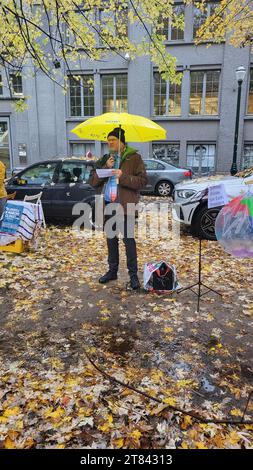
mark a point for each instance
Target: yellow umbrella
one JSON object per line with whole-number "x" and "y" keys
{"x": 137, "y": 128}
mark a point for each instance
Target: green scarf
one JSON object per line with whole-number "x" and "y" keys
{"x": 128, "y": 151}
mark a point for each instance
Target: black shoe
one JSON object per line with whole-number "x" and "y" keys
{"x": 134, "y": 282}
{"x": 109, "y": 276}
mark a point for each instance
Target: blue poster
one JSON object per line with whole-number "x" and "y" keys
{"x": 11, "y": 217}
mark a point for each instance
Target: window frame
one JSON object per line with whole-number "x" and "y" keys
{"x": 169, "y": 28}
{"x": 208, "y": 13}
{"x": 15, "y": 75}
{"x": 248, "y": 96}
{"x": 247, "y": 144}
{"x": 82, "y": 96}
{"x": 203, "y": 97}
{"x": 167, "y": 96}
{"x": 202, "y": 144}
{"x": 1, "y": 85}
{"x": 99, "y": 17}
{"x": 114, "y": 76}
{"x": 84, "y": 143}
{"x": 167, "y": 144}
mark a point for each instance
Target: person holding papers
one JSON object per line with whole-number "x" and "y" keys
{"x": 121, "y": 185}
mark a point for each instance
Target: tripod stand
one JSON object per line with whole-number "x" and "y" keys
{"x": 199, "y": 283}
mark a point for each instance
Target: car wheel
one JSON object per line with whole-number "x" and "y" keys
{"x": 164, "y": 188}
{"x": 204, "y": 223}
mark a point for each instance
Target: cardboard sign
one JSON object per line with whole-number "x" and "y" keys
{"x": 217, "y": 196}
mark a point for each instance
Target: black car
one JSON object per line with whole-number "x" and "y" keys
{"x": 63, "y": 183}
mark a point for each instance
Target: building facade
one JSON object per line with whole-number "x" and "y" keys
{"x": 198, "y": 115}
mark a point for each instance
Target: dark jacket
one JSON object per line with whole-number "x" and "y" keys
{"x": 132, "y": 180}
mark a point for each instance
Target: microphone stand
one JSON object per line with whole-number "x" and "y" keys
{"x": 199, "y": 284}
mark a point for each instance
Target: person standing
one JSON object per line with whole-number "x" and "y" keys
{"x": 3, "y": 193}
{"x": 129, "y": 177}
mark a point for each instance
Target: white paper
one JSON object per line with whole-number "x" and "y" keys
{"x": 217, "y": 196}
{"x": 104, "y": 173}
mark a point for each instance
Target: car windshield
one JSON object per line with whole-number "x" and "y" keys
{"x": 245, "y": 173}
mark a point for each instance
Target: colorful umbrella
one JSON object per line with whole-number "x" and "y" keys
{"x": 234, "y": 226}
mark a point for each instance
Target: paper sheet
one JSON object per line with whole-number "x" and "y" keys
{"x": 104, "y": 173}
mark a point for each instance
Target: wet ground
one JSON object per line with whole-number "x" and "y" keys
{"x": 53, "y": 311}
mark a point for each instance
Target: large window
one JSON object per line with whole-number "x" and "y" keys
{"x": 167, "y": 151}
{"x": 4, "y": 144}
{"x": 248, "y": 155}
{"x": 169, "y": 30}
{"x": 201, "y": 158}
{"x": 167, "y": 97}
{"x": 114, "y": 92}
{"x": 204, "y": 98}
{"x": 84, "y": 150}
{"x": 250, "y": 100}
{"x": 199, "y": 17}
{"x": 16, "y": 84}
{"x": 82, "y": 96}
{"x": 112, "y": 23}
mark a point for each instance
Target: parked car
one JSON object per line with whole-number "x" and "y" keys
{"x": 63, "y": 183}
{"x": 162, "y": 177}
{"x": 191, "y": 199}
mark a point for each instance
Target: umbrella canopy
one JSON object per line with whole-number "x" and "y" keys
{"x": 234, "y": 226}
{"x": 137, "y": 128}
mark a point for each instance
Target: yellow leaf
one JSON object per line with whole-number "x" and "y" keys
{"x": 184, "y": 445}
{"x": 184, "y": 383}
{"x": 110, "y": 419}
{"x": 236, "y": 412}
{"x": 168, "y": 330}
{"x": 233, "y": 438}
{"x": 187, "y": 421}
{"x": 156, "y": 375}
{"x": 55, "y": 415}
{"x": 11, "y": 412}
{"x": 118, "y": 443}
{"x": 200, "y": 445}
{"x": 9, "y": 444}
{"x": 3, "y": 420}
{"x": 29, "y": 443}
{"x": 170, "y": 401}
{"x": 136, "y": 434}
{"x": 107, "y": 424}
{"x": 13, "y": 434}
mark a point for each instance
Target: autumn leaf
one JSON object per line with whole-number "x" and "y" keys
{"x": 11, "y": 412}
{"x": 118, "y": 443}
{"x": 236, "y": 412}
{"x": 187, "y": 421}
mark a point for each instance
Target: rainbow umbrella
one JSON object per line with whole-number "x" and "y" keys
{"x": 234, "y": 226}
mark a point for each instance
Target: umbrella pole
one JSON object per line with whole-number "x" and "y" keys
{"x": 119, "y": 149}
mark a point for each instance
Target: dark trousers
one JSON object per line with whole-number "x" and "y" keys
{"x": 129, "y": 242}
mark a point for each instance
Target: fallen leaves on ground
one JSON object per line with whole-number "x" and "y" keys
{"x": 53, "y": 311}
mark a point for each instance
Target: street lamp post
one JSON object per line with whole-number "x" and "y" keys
{"x": 240, "y": 74}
